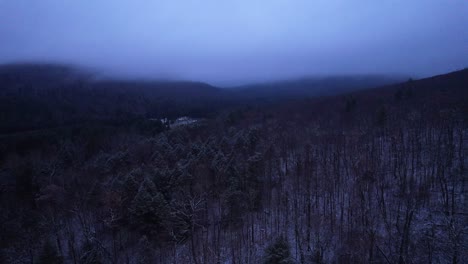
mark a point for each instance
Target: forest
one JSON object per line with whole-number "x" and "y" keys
{"x": 89, "y": 173}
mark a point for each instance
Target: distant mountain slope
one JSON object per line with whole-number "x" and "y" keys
{"x": 440, "y": 90}
{"x": 48, "y": 77}
{"x": 319, "y": 86}
{"x": 176, "y": 90}
{"x": 445, "y": 94}
{"x": 42, "y": 96}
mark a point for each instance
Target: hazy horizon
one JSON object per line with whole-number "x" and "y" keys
{"x": 235, "y": 43}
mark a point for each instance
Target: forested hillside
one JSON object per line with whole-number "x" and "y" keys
{"x": 373, "y": 176}
{"x": 43, "y": 96}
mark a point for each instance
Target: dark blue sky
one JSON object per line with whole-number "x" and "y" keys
{"x": 232, "y": 42}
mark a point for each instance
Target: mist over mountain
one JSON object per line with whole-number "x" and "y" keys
{"x": 241, "y": 42}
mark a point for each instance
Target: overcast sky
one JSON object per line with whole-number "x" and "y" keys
{"x": 232, "y": 42}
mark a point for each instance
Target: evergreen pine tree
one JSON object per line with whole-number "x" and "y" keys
{"x": 148, "y": 209}
{"x": 278, "y": 252}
